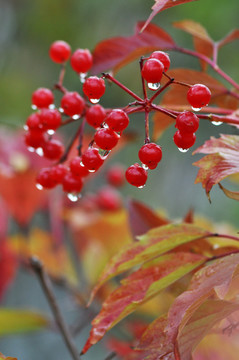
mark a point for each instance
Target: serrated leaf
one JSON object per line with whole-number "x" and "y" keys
{"x": 20, "y": 321}
{"x": 138, "y": 288}
{"x": 161, "y": 5}
{"x": 221, "y": 162}
{"x": 154, "y": 243}
{"x": 114, "y": 53}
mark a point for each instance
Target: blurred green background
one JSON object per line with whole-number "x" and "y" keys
{"x": 28, "y": 27}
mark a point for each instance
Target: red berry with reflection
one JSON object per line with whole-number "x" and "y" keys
{"x": 50, "y": 119}
{"x": 106, "y": 139}
{"x": 44, "y": 179}
{"x": 95, "y": 115}
{"x": 94, "y": 87}
{"x": 34, "y": 121}
{"x": 72, "y": 184}
{"x": 117, "y": 120}
{"x": 53, "y": 149}
{"x": 35, "y": 138}
{"x": 81, "y": 60}
{"x": 152, "y": 70}
{"x": 92, "y": 160}
{"x": 198, "y": 95}
{"x": 60, "y": 51}
{"x": 163, "y": 57}
{"x": 77, "y": 168}
{"x": 136, "y": 175}
{"x": 109, "y": 199}
{"x": 187, "y": 122}
{"x": 150, "y": 153}
{"x": 58, "y": 173}
{"x": 42, "y": 97}
{"x": 184, "y": 140}
{"x": 72, "y": 103}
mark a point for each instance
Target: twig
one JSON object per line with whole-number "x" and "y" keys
{"x": 123, "y": 87}
{"x": 47, "y": 288}
{"x": 111, "y": 356}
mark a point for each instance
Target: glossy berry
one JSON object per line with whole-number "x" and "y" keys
{"x": 33, "y": 121}
{"x": 42, "y": 97}
{"x": 187, "y": 122}
{"x": 53, "y": 149}
{"x": 115, "y": 175}
{"x": 198, "y": 95}
{"x": 152, "y": 71}
{"x": 184, "y": 140}
{"x": 95, "y": 115}
{"x": 50, "y": 119}
{"x": 92, "y": 160}
{"x": 35, "y": 138}
{"x": 72, "y": 184}
{"x": 163, "y": 57}
{"x": 136, "y": 175}
{"x": 44, "y": 179}
{"x": 109, "y": 199}
{"x": 150, "y": 154}
{"x": 94, "y": 87}
{"x": 106, "y": 139}
{"x": 76, "y": 167}
{"x": 60, "y": 51}
{"x": 72, "y": 103}
{"x": 81, "y": 60}
{"x": 58, "y": 173}
{"x": 117, "y": 120}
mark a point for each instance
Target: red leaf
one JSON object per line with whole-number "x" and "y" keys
{"x": 234, "y": 35}
{"x": 119, "y": 51}
{"x": 161, "y": 5}
{"x": 221, "y": 162}
{"x": 231, "y": 194}
{"x": 160, "y": 123}
{"x": 8, "y": 265}
{"x": 138, "y": 288}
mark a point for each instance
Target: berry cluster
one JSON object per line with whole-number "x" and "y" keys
{"x": 108, "y": 123}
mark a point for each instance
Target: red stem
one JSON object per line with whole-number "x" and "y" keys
{"x": 142, "y": 79}
{"x": 108, "y": 76}
{"x": 147, "y": 138}
{"x": 161, "y": 90}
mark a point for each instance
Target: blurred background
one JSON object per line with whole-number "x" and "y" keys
{"x": 27, "y": 28}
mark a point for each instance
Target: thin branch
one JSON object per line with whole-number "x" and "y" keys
{"x": 47, "y": 288}
{"x": 142, "y": 79}
{"x": 147, "y": 138}
{"x": 111, "y": 78}
{"x": 68, "y": 149}
{"x": 111, "y": 356}
{"x": 171, "y": 80}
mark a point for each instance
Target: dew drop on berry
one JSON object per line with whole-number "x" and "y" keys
{"x": 183, "y": 150}
{"x": 75, "y": 117}
{"x": 141, "y": 187}
{"x": 50, "y": 132}
{"x": 154, "y": 86}
{"x": 91, "y": 171}
{"x": 216, "y": 123}
{"x": 61, "y": 110}
{"x": 105, "y": 126}
{"x": 39, "y": 151}
{"x": 39, "y": 186}
{"x": 72, "y": 197}
{"x": 52, "y": 107}
{"x": 145, "y": 167}
{"x": 94, "y": 101}
{"x": 31, "y": 149}
{"x": 196, "y": 109}
{"x": 25, "y": 127}
{"x": 34, "y": 107}
{"x": 82, "y": 77}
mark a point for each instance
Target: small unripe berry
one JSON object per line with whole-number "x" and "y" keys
{"x": 95, "y": 115}
{"x": 150, "y": 153}
{"x": 53, "y": 149}
{"x": 42, "y": 98}
{"x": 72, "y": 103}
{"x": 117, "y": 120}
{"x": 94, "y": 87}
{"x": 136, "y": 175}
{"x": 92, "y": 160}
{"x": 163, "y": 57}
{"x": 106, "y": 139}
{"x": 81, "y": 60}
{"x": 184, "y": 140}
{"x": 198, "y": 96}
{"x": 152, "y": 71}
{"x": 59, "y": 51}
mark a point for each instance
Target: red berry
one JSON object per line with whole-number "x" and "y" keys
{"x": 35, "y": 138}
{"x": 50, "y": 119}
{"x": 59, "y": 51}
{"x": 42, "y": 97}
{"x": 152, "y": 71}
{"x": 152, "y": 165}
{"x": 163, "y": 57}
{"x": 53, "y": 149}
{"x": 109, "y": 199}
{"x": 94, "y": 87}
{"x": 184, "y": 140}
{"x": 136, "y": 175}
{"x": 150, "y": 154}
{"x": 198, "y": 95}
{"x": 106, "y": 139}
{"x": 44, "y": 179}
{"x": 187, "y": 122}
{"x": 115, "y": 175}
{"x": 117, "y": 120}
{"x": 72, "y": 184}
{"x": 33, "y": 121}
{"x": 81, "y": 60}
{"x": 77, "y": 169}
{"x": 58, "y": 173}
{"x": 72, "y": 103}
{"x": 92, "y": 159}
{"x": 95, "y": 115}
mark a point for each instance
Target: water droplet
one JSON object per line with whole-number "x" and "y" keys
{"x": 141, "y": 187}
{"x": 196, "y": 109}
{"x": 215, "y": 246}
{"x": 25, "y": 127}
{"x": 94, "y": 101}
{"x": 31, "y": 149}
{"x": 75, "y": 117}
{"x": 183, "y": 150}
{"x": 91, "y": 171}
{"x": 39, "y": 186}
{"x": 216, "y": 123}
{"x": 61, "y": 110}
{"x": 50, "y": 132}
{"x": 39, "y": 151}
{"x": 34, "y": 107}
{"x": 145, "y": 167}
{"x": 52, "y": 107}
{"x": 154, "y": 86}
{"x": 209, "y": 271}
{"x": 105, "y": 126}
{"x": 82, "y": 77}
{"x": 72, "y": 197}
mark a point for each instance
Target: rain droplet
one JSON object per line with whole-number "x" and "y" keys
{"x": 31, "y": 149}
{"x": 75, "y": 117}
{"x": 52, "y": 106}
{"x": 141, "y": 187}
{"x": 39, "y": 186}
{"x": 145, "y": 167}
{"x": 94, "y": 101}
{"x": 61, "y": 110}
{"x": 196, "y": 109}
{"x": 25, "y": 127}
{"x": 154, "y": 86}
{"x": 72, "y": 197}
{"x": 215, "y": 246}
{"x": 91, "y": 171}
{"x": 82, "y": 77}
{"x": 50, "y": 132}
{"x": 34, "y": 107}
{"x": 216, "y": 123}
{"x": 183, "y": 150}
{"x": 105, "y": 126}
{"x": 39, "y": 151}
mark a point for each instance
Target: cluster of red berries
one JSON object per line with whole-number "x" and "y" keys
{"x": 109, "y": 124}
